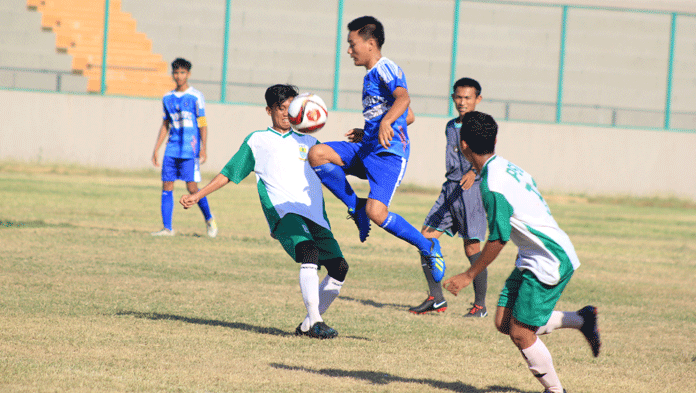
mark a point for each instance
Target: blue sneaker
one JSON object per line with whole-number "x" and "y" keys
{"x": 437, "y": 262}
{"x": 359, "y": 215}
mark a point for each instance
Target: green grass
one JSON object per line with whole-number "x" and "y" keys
{"x": 89, "y": 301}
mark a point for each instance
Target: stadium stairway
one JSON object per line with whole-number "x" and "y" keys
{"x": 132, "y": 68}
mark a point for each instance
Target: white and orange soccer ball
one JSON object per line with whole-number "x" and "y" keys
{"x": 307, "y": 113}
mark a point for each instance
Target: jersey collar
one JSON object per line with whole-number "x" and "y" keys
{"x": 287, "y": 134}
{"x": 485, "y": 166}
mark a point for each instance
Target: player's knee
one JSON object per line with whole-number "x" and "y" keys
{"x": 376, "y": 211}
{"x": 307, "y": 252}
{"x": 319, "y": 155}
{"x": 337, "y": 268}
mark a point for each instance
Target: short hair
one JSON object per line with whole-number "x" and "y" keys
{"x": 181, "y": 63}
{"x": 368, "y": 27}
{"x": 277, "y": 94}
{"x": 467, "y": 82}
{"x": 479, "y": 131}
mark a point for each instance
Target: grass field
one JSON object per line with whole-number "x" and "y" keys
{"x": 90, "y": 302}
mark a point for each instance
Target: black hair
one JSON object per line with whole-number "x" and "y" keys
{"x": 467, "y": 82}
{"x": 277, "y": 94}
{"x": 368, "y": 27}
{"x": 181, "y": 63}
{"x": 479, "y": 131}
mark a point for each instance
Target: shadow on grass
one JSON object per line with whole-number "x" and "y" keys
{"x": 381, "y": 378}
{"x": 32, "y": 224}
{"x": 208, "y": 322}
{"x": 375, "y": 304}
{"x": 211, "y": 322}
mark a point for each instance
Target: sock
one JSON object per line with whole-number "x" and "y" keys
{"x": 328, "y": 292}
{"x": 397, "y": 226}
{"x": 309, "y": 286}
{"x": 167, "y": 208}
{"x": 561, "y": 320}
{"x": 480, "y": 283}
{"x": 434, "y": 288}
{"x": 333, "y": 177}
{"x": 540, "y": 364}
{"x": 203, "y": 204}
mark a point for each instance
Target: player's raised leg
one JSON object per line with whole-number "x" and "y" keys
{"x": 584, "y": 320}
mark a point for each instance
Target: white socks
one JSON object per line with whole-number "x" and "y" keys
{"x": 317, "y": 298}
{"x": 561, "y": 320}
{"x": 540, "y": 364}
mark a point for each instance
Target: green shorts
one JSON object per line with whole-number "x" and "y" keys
{"x": 530, "y": 300}
{"x": 293, "y": 229}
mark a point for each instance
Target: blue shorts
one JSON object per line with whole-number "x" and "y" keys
{"x": 383, "y": 171}
{"x": 186, "y": 169}
{"x": 459, "y": 211}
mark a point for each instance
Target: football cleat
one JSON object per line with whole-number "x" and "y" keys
{"x": 163, "y": 232}
{"x": 589, "y": 328}
{"x": 212, "y": 227}
{"x": 319, "y": 330}
{"x": 359, "y": 215}
{"x": 429, "y": 305}
{"x": 437, "y": 262}
{"x": 476, "y": 311}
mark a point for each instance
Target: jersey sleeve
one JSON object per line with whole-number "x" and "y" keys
{"x": 498, "y": 211}
{"x": 392, "y": 76}
{"x": 241, "y": 164}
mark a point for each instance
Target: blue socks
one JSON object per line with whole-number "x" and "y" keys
{"x": 167, "y": 208}
{"x": 203, "y": 204}
{"x": 397, "y": 226}
{"x": 334, "y": 178}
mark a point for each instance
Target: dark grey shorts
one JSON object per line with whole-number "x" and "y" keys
{"x": 459, "y": 211}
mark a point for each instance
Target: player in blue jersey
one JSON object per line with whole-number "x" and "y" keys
{"x": 381, "y": 151}
{"x": 184, "y": 120}
{"x": 459, "y": 208}
{"x": 546, "y": 258}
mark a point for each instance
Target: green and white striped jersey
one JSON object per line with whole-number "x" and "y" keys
{"x": 516, "y": 211}
{"x": 285, "y": 181}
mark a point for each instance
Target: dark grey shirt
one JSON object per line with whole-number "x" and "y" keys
{"x": 455, "y": 162}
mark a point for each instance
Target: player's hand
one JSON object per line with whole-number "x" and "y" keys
{"x": 188, "y": 200}
{"x": 386, "y": 134}
{"x": 467, "y": 180}
{"x": 355, "y": 135}
{"x": 457, "y": 283}
{"x": 202, "y": 156}
{"x": 155, "y": 162}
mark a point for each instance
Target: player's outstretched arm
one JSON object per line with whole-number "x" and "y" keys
{"x": 488, "y": 254}
{"x": 218, "y": 182}
{"x": 401, "y": 103}
{"x": 160, "y": 139}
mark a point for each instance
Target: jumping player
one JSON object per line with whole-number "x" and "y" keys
{"x": 546, "y": 258}
{"x": 459, "y": 207}
{"x": 184, "y": 120}
{"x": 292, "y": 201}
{"x": 381, "y": 154}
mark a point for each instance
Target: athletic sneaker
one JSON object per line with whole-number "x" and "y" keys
{"x": 437, "y": 262}
{"x": 212, "y": 227}
{"x": 359, "y": 215}
{"x": 429, "y": 305}
{"x": 319, "y": 330}
{"x": 589, "y": 328}
{"x": 163, "y": 232}
{"x": 476, "y": 312}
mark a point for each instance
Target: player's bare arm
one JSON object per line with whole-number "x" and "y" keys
{"x": 386, "y": 132}
{"x": 191, "y": 199}
{"x": 467, "y": 180}
{"x": 355, "y": 135}
{"x": 160, "y": 139}
{"x": 203, "y": 155}
{"x": 410, "y": 117}
{"x": 462, "y": 280}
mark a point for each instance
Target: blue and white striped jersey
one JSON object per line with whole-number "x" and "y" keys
{"x": 183, "y": 110}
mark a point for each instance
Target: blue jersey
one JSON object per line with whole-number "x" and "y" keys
{"x": 377, "y": 98}
{"x": 184, "y": 110}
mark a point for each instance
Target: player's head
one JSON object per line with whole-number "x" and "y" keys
{"x": 478, "y": 133}
{"x": 278, "y": 99}
{"x": 365, "y": 40}
{"x": 466, "y": 94}
{"x": 181, "y": 69}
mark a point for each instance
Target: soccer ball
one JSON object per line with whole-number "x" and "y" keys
{"x": 307, "y": 113}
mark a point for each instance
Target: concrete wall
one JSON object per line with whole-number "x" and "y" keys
{"x": 120, "y": 133}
